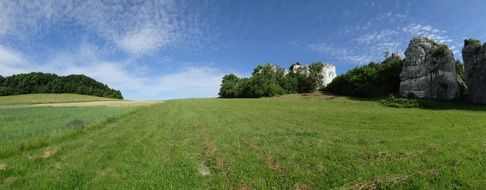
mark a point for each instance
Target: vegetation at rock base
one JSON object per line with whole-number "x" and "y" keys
{"x": 372, "y": 80}
{"x": 270, "y": 80}
{"x": 37, "y": 82}
{"x": 400, "y": 102}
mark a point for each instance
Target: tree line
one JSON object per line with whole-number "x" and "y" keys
{"x": 371, "y": 80}
{"x": 375, "y": 80}
{"x": 270, "y": 80}
{"x": 37, "y": 82}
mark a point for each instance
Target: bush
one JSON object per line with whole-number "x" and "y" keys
{"x": 372, "y": 80}
{"x": 440, "y": 51}
{"x": 400, "y": 102}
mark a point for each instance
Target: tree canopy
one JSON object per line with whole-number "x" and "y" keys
{"x": 270, "y": 80}
{"x": 37, "y": 82}
{"x": 372, "y": 80}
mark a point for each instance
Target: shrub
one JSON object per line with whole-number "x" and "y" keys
{"x": 400, "y": 102}
{"x": 440, "y": 51}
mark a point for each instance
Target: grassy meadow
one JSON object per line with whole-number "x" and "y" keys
{"x": 289, "y": 142}
{"x": 49, "y": 98}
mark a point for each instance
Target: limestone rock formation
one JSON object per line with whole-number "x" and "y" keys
{"x": 328, "y": 74}
{"x": 429, "y": 71}
{"x": 474, "y": 56}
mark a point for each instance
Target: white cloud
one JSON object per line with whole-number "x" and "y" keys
{"x": 144, "y": 41}
{"x": 340, "y": 53}
{"x": 11, "y": 62}
{"x": 126, "y": 75}
{"x": 191, "y": 82}
{"x": 136, "y": 27}
{"x": 427, "y": 31}
{"x": 384, "y": 35}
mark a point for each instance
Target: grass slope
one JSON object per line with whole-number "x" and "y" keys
{"x": 292, "y": 142}
{"x": 48, "y": 98}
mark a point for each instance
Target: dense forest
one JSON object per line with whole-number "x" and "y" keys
{"x": 270, "y": 80}
{"x": 37, "y": 82}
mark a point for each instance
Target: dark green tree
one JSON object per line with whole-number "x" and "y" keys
{"x": 230, "y": 87}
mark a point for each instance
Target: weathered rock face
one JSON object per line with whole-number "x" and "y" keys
{"x": 474, "y": 56}
{"x": 429, "y": 71}
{"x": 328, "y": 74}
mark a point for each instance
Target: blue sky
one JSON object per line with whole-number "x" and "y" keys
{"x": 178, "y": 49}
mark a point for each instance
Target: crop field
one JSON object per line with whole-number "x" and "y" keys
{"x": 49, "y": 98}
{"x": 290, "y": 142}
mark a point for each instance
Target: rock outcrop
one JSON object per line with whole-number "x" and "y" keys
{"x": 429, "y": 71}
{"x": 474, "y": 56}
{"x": 328, "y": 74}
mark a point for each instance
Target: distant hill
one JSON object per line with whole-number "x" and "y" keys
{"x": 37, "y": 82}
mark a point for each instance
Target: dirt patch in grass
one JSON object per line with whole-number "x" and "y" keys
{"x": 319, "y": 95}
{"x": 222, "y": 166}
{"x": 301, "y": 186}
{"x": 49, "y": 151}
{"x": 7, "y": 181}
{"x": 211, "y": 162}
{"x": 209, "y": 148}
{"x": 377, "y": 183}
{"x": 3, "y": 166}
{"x": 245, "y": 187}
{"x": 273, "y": 164}
{"x": 391, "y": 155}
{"x": 204, "y": 170}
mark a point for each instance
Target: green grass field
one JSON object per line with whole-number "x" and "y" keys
{"x": 291, "y": 142}
{"x": 49, "y": 98}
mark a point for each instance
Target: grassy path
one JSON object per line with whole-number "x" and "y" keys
{"x": 286, "y": 143}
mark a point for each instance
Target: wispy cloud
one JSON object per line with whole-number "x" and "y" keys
{"x": 11, "y": 62}
{"x": 136, "y": 27}
{"x": 387, "y": 32}
{"x": 427, "y": 31}
{"x": 340, "y": 53}
{"x": 384, "y": 35}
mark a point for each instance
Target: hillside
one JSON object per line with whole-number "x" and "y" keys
{"x": 37, "y": 82}
{"x": 306, "y": 141}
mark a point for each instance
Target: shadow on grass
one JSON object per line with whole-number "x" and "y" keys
{"x": 429, "y": 104}
{"x": 459, "y": 104}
